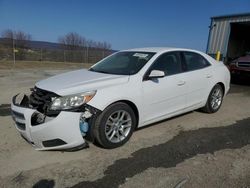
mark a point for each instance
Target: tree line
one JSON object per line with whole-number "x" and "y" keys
{"x": 72, "y": 48}
{"x": 74, "y": 41}
{"x": 70, "y": 41}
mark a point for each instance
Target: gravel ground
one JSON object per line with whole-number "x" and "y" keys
{"x": 192, "y": 150}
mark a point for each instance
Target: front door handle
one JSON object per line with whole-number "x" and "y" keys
{"x": 181, "y": 83}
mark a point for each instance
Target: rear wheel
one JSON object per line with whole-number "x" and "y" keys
{"x": 115, "y": 125}
{"x": 214, "y": 100}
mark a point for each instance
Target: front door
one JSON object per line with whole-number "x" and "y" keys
{"x": 167, "y": 95}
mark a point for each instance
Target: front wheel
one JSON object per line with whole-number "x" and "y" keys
{"x": 115, "y": 125}
{"x": 214, "y": 100}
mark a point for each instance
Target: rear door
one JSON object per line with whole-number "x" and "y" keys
{"x": 198, "y": 76}
{"x": 167, "y": 95}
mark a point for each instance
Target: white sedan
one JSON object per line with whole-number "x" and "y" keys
{"x": 122, "y": 92}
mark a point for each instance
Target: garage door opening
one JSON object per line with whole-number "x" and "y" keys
{"x": 239, "y": 40}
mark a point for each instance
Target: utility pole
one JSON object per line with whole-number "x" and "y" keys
{"x": 87, "y": 55}
{"x": 83, "y": 55}
{"x": 14, "y": 52}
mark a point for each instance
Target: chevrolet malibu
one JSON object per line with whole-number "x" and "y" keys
{"x": 127, "y": 90}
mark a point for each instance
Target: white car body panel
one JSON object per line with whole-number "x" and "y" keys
{"x": 65, "y": 125}
{"x": 80, "y": 81}
{"x": 163, "y": 96}
{"x": 155, "y": 100}
{"x": 198, "y": 86}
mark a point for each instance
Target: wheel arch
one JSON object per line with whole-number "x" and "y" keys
{"x": 222, "y": 85}
{"x": 132, "y": 106}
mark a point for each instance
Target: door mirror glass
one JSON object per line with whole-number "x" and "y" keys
{"x": 156, "y": 74}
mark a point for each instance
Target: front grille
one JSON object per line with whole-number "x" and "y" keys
{"x": 21, "y": 125}
{"x": 243, "y": 64}
{"x": 18, "y": 115}
{"x": 19, "y": 120}
{"x": 40, "y": 99}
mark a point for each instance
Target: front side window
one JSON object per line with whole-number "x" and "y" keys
{"x": 123, "y": 63}
{"x": 195, "y": 61}
{"x": 169, "y": 63}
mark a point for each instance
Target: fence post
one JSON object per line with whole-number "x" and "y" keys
{"x": 87, "y": 55}
{"x": 83, "y": 56}
{"x": 64, "y": 56}
{"x": 41, "y": 55}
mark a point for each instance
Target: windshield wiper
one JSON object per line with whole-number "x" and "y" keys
{"x": 100, "y": 71}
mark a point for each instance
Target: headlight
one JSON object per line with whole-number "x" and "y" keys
{"x": 71, "y": 101}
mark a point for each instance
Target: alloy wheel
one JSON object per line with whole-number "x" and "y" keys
{"x": 216, "y": 98}
{"x": 118, "y": 126}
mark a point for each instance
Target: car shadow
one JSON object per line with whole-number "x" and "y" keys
{"x": 164, "y": 120}
{"x": 5, "y": 110}
{"x": 185, "y": 145}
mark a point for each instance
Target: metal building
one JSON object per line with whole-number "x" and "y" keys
{"x": 230, "y": 35}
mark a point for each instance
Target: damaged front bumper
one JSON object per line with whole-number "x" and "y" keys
{"x": 53, "y": 133}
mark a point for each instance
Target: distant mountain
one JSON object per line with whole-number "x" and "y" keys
{"x": 36, "y": 44}
{"x": 44, "y": 45}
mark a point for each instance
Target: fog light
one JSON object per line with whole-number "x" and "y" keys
{"x": 37, "y": 118}
{"x": 84, "y": 127}
{"x": 83, "y": 124}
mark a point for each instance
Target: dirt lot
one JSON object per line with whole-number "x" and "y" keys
{"x": 192, "y": 150}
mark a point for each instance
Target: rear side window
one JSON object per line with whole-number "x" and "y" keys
{"x": 169, "y": 63}
{"x": 195, "y": 61}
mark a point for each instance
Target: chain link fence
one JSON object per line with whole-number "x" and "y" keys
{"x": 84, "y": 55}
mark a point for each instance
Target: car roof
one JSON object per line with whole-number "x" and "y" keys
{"x": 158, "y": 49}
{"x": 161, "y": 50}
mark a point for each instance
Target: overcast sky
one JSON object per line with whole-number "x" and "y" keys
{"x": 125, "y": 23}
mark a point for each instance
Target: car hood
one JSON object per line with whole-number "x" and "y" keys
{"x": 80, "y": 81}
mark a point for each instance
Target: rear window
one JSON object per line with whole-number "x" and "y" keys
{"x": 195, "y": 61}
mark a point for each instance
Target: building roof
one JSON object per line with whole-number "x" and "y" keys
{"x": 231, "y": 15}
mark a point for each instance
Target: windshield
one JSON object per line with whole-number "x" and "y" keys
{"x": 123, "y": 63}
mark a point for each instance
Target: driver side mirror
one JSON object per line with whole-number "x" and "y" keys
{"x": 156, "y": 74}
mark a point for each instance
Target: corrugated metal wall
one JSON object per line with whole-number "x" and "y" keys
{"x": 220, "y": 31}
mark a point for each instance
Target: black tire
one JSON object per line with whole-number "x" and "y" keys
{"x": 100, "y": 125}
{"x": 208, "y": 108}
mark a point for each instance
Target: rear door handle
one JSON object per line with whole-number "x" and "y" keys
{"x": 209, "y": 76}
{"x": 181, "y": 83}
